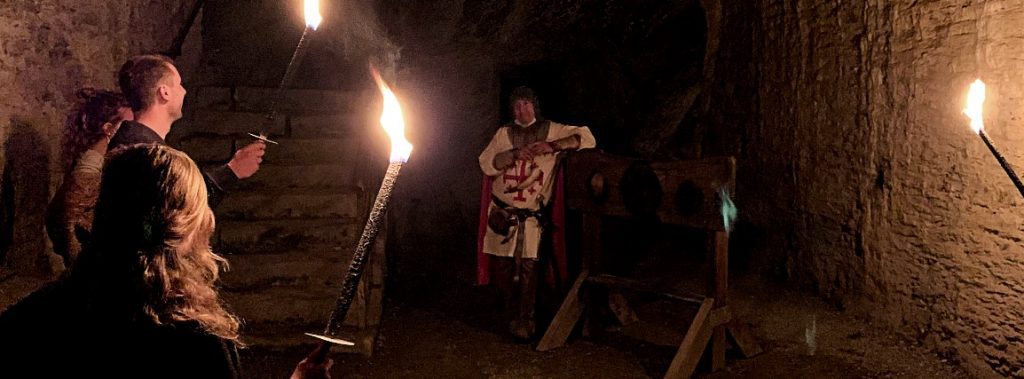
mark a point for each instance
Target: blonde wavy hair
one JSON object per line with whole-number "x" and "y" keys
{"x": 149, "y": 256}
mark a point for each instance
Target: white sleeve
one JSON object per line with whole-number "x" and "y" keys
{"x": 90, "y": 162}
{"x": 499, "y": 143}
{"x": 558, "y": 131}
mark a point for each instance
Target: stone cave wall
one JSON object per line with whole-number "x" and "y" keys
{"x": 865, "y": 181}
{"x": 48, "y": 50}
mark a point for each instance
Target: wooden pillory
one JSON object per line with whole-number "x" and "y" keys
{"x": 683, "y": 193}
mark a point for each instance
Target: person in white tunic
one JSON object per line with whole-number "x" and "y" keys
{"x": 521, "y": 159}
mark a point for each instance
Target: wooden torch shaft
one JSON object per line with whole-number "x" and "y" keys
{"x": 1002, "y": 162}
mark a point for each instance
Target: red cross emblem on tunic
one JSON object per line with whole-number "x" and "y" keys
{"x": 514, "y": 179}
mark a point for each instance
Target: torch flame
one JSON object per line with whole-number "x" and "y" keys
{"x": 391, "y": 120}
{"x": 312, "y": 11}
{"x": 975, "y": 99}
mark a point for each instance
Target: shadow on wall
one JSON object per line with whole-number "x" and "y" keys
{"x": 23, "y": 198}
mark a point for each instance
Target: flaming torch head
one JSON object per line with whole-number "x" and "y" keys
{"x": 311, "y": 9}
{"x": 975, "y": 99}
{"x": 391, "y": 120}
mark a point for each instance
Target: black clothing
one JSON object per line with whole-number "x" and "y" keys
{"x": 217, "y": 179}
{"x": 53, "y": 333}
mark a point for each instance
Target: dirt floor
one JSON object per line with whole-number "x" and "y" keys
{"x": 447, "y": 339}
{"x": 453, "y": 331}
{"x": 456, "y": 334}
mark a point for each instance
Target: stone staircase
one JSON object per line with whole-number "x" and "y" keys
{"x": 290, "y": 230}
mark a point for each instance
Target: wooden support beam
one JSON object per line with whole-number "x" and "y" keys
{"x": 568, "y": 314}
{"x": 692, "y": 347}
{"x": 616, "y": 282}
{"x": 719, "y": 289}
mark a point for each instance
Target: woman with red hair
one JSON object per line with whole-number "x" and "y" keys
{"x": 87, "y": 133}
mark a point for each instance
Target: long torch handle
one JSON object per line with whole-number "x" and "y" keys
{"x": 355, "y": 269}
{"x": 1003, "y": 162}
{"x": 289, "y": 74}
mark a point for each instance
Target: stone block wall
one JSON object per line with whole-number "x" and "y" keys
{"x": 865, "y": 175}
{"x": 48, "y": 50}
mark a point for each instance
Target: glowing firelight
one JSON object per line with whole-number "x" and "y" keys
{"x": 391, "y": 120}
{"x": 975, "y": 99}
{"x": 312, "y": 11}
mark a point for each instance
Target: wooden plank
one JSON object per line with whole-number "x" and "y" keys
{"x": 744, "y": 340}
{"x": 568, "y": 314}
{"x": 690, "y": 350}
{"x": 620, "y": 308}
{"x": 720, "y": 280}
{"x": 718, "y": 345}
{"x": 611, "y": 281}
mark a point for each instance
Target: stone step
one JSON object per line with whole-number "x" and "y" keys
{"x": 330, "y": 125}
{"x": 282, "y": 337}
{"x": 225, "y": 122}
{"x": 306, "y": 176}
{"x": 321, "y": 268}
{"x": 295, "y": 305}
{"x": 265, "y": 205}
{"x": 206, "y": 148}
{"x": 271, "y": 236}
{"x": 302, "y": 305}
{"x": 292, "y": 101}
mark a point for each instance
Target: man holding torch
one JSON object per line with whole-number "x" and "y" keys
{"x": 521, "y": 161}
{"x": 153, "y": 88}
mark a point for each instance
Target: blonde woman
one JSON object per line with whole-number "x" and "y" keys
{"x": 141, "y": 300}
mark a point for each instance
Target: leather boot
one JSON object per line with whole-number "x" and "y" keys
{"x": 523, "y": 326}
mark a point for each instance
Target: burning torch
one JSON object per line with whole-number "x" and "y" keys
{"x": 311, "y": 10}
{"x": 975, "y": 100}
{"x": 391, "y": 120}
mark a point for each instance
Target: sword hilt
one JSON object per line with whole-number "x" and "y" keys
{"x": 320, "y": 354}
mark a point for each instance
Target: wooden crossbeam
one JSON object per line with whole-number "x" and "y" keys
{"x": 616, "y": 282}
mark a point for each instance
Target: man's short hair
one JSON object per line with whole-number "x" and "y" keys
{"x": 140, "y": 76}
{"x": 522, "y": 93}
